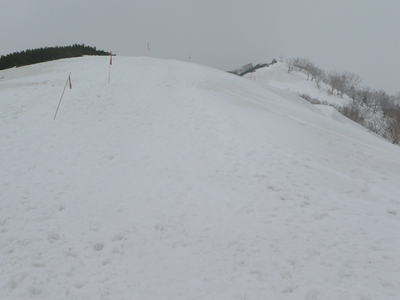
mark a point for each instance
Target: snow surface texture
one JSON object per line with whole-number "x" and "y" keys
{"x": 178, "y": 181}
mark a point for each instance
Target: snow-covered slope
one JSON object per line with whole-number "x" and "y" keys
{"x": 178, "y": 181}
{"x": 276, "y": 75}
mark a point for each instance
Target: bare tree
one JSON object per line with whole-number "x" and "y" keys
{"x": 351, "y": 83}
{"x": 393, "y": 125}
{"x": 384, "y": 101}
{"x": 343, "y": 83}
{"x": 304, "y": 65}
{"x": 333, "y": 79}
{"x": 353, "y": 112}
{"x": 292, "y": 63}
{"x": 318, "y": 75}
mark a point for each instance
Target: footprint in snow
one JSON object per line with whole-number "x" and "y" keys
{"x": 98, "y": 246}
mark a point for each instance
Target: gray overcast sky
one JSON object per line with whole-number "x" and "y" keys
{"x": 360, "y": 36}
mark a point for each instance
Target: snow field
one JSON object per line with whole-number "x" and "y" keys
{"x": 178, "y": 181}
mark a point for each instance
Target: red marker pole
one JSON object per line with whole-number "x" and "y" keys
{"x": 70, "y": 86}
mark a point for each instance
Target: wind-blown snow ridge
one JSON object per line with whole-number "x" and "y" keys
{"x": 178, "y": 181}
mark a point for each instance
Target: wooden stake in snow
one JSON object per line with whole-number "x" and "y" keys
{"x": 70, "y": 87}
{"x": 109, "y": 68}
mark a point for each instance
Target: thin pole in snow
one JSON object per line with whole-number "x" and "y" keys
{"x": 109, "y": 68}
{"x": 70, "y": 86}
{"x": 109, "y": 74}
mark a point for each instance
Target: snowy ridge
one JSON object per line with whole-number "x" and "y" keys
{"x": 276, "y": 75}
{"x": 178, "y": 181}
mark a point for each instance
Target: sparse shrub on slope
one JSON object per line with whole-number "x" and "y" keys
{"x": 385, "y": 124}
{"x": 248, "y": 68}
{"x": 354, "y": 112}
{"x": 375, "y": 110}
{"x": 313, "y": 100}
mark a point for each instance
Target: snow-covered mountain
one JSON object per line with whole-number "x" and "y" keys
{"x": 277, "y": 75}
{"x": 178, "y": 181}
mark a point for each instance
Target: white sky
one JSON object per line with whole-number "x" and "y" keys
{"x": 360, "y": 36}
